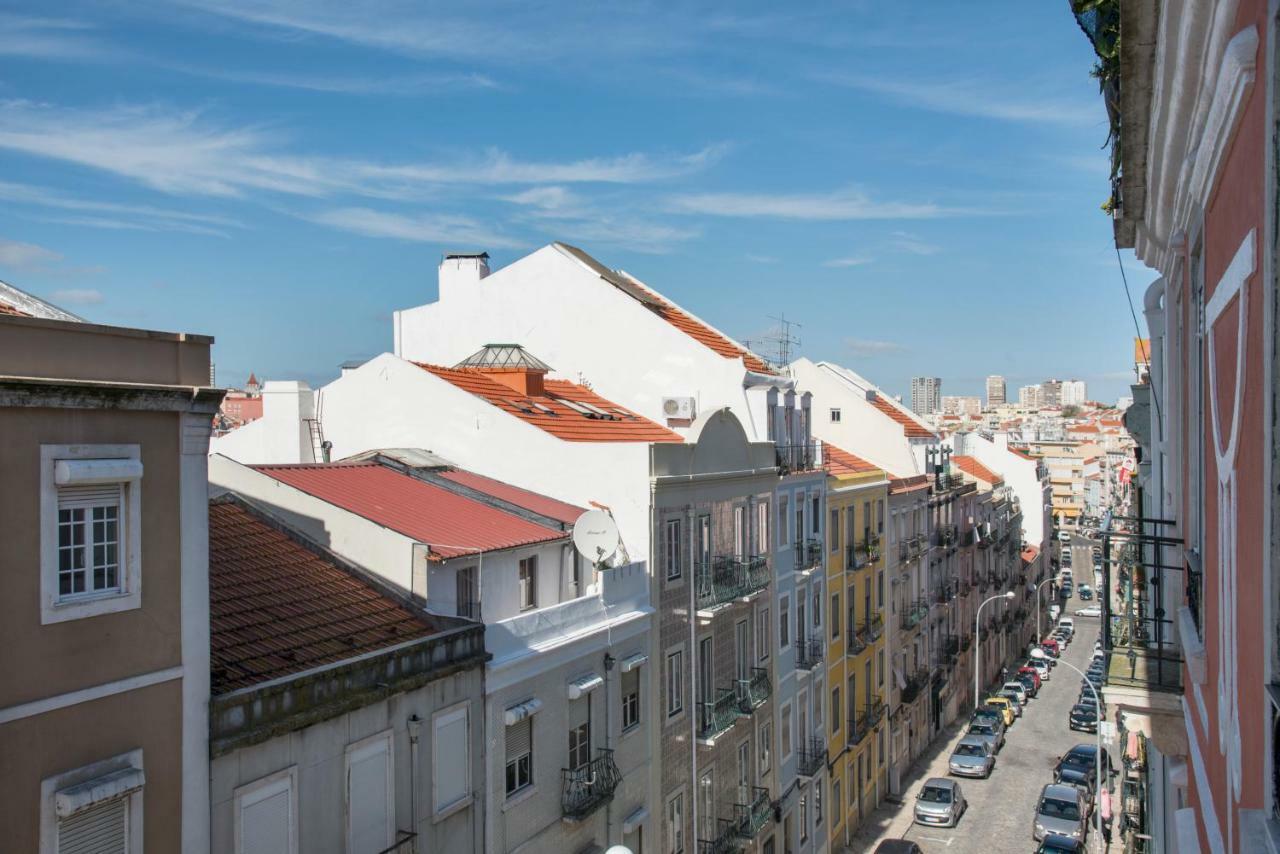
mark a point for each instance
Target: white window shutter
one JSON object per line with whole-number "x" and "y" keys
{"x": 451, "y": 759}
{"x": 267, "y": 820}
{"x": 519, "y": 739}
{"x": 370, "y": 817}
{"x": 100, "y": 829}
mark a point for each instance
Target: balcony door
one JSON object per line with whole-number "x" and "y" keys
{"x": 580, "y": 732}
{"x": 706, "y": 677}
{"x": 707, "y": 806}
{"x": 742, "y": 648}
{"x": 739, "y": 532}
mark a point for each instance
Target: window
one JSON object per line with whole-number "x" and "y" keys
{"x": 835, "y": 798}
{"x": 451, "y": 759}
{"x": 766, "y": 747}
{"x": 786, "y": 732}
{"x": 881, "y": 747}
{"x": 866, "y": 521}
{"x": 783, "y": 531}
{"x": 673, "y": 549}
{"x": 880, "y": 668}
{"x": 880, "y": 589}
{"x": 880, "y": 516}
{"x": 520, "y": 756}
{"x": 784, "y": 621}
{"x": 580, "y": 732}
{"x": 675, "y": 683}
{"x": 630, "y": 698}
{"x": 96, "y": 808}
{"x": 764, "y": 634}
{"x": 817, "y": 607}
{"x": 529, "y": 583}
{"x": 370, "y": 796}
{"x": 739, "y": 531}
{"x": 91, "y": 532}
{"x": 835, "y": 415}
{"x": 835, "y": 709}
{"x": 465, "y": 593}
{"x": 804, "y": 814}
{"x": 815, "y": 511}
{"x": 833, "y": 530}
{"x": 835, "y": 616}
{"x": 817, "y": 803}
{"x": 267, "y": 813}
{"x": 762, "y": 527}
{"x": 675, "y": 824}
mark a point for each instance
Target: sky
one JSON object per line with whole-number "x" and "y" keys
{"x": 917, "y": 185}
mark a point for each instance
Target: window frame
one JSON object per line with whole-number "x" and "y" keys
{"x": 50, "y": 786}
{"x": 528, "y": 581}
{"x": 784, "y": 622}
{"x": 506, "y": 763}
{"x": 675, "y": 689}
{"x": 674, "y": 844}
{"x": 352, "y": 753}
{"x": 638, "y": 713}
{"x": 672, "y": 553}
{"x": 271, "y": 783}
{"x": 54, "y": 608}
{"x": 440, "y": 811}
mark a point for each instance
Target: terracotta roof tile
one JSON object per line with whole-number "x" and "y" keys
{"x": 551, "y": 414}
{"x": 5, "y": 308}
{"x": 908, "y": 484}
{"x": 1142, "y": 350}
{"x": 707, "y": 336}
{"x": 1022, "y": 452}
{"x": 910, "y": 426}
{"x": 277, "y": 607}
{"x": 541, "y": 504}
{"x": 839, "y": 461}
{"x": 1030, "y": 553}
{"x": 976, "y": 470}
{"x": 428, "y": 513}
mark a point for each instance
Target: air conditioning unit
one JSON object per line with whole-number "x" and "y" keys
{"x": 685, "y": 408}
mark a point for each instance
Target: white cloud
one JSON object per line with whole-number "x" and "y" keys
{"x": 871, "y": 347}
{"x": 26, "y": 256}
{"x": 976, "y": 98}
{"x": 33, "y": 37}
{"x": 78, "y": 296}
{"x": 851, "y": 261}
{"x": 566, "y": 215}
{"x": 401, "y": 84}
{"x": 422, "y": 228}
{"x": 847, "y": 204}
{"x": 907, "y": 242}
{"x": 113, "y": 215}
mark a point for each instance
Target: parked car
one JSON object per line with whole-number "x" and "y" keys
{"x": 988, "y": 712}
{"x": 1029, "y": 681}
{"x": 1040, "y": 666}
{"x": 1014, "y": 697}
{"x": 990, "y": 731}
{"x": 1063, "y": 536}
{"x": 972, "y": 757}
{"x": 1062, "y": 810}
{"x": 1083, "y": 717}
{"x": 1055, "y": 844}
{"x": 1051, "y": 646}
{"x": 1068, "y": 624}
{"x": 1054, "y": 611}
{"x": 1078, "y": 766}
{"x": 898, "y": 846}
{"x": 1031, "y": 670}
{"x": 1006, "y": 706}
{"x": 939, "y": 803}
{"x": 1089, "y": 611}
{"x": 1085, "y": 592}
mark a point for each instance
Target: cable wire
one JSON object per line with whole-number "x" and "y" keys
{"x": 1155, "y": 396}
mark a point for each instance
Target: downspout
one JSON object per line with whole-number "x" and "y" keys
{"x": 693, "y": 677}
{"x": 414, "y": 726}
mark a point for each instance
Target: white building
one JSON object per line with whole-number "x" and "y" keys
{"x": 926, "y": 395}
{"x": 1074, "y": 393}
{"x": 1030, "y": 397}
{"x": 995, "y": 391}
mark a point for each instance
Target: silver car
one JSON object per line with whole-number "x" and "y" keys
{"x": 990, "y": 731}
{"x": 972, "y": 757}
{"x": 1017, "y": 688}
{"x": 940, "y": 803}
{"x": 1063, "y": 809}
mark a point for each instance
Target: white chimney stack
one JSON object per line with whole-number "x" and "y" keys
{"x": 461, "y": 270}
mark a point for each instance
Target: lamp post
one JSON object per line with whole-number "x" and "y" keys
{"x": 1040, "y": 607}
{"x": 1100, "y": 781}
{"x": 977, "y": 642}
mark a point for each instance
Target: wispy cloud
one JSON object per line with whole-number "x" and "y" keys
{"x": 762, "y": 259}
{"x": 113, "y": 215}
{"x": 420, "y": 228}
{"x": 850, "y": 261}
{"x": 26, "y": 256}
{"x": 913, "y": 244}
{"x": 400, "y": 84}
{"x": 980, "y": 99}
{"x": 847, "y": 204}
{"x": 561, "y": 212}
{"x": 78, "y": 296}
{"x": 32, "y": 37}
{"x": 872, "y": 347}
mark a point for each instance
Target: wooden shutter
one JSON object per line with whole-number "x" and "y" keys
{"x": 100, "y": 829}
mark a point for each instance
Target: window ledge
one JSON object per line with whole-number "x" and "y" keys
{"x": 455, "y": 807}
{"x": 515, "y": 799}
{"x": 1192, "y": 645}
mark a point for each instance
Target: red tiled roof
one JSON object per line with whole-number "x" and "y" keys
{"x": 5, "y": 308}
{"x": 840, "y": 461}
{"x": 910, "y": 426}
{"x": 908, "y": 484}
{"x": 973, "y": 468}
{"x": 277, "y": 607}
{"x": 1030, "y": 553}
{"x": 1141, "y": 350}
{"x": 1083, "y": 428}
{"x": 429, "y": 514}
{"x": 541, "y": 504}
{"x": 562, "y": 421}
{"x": 708, "y": 337}
{"x": 1021, "y": 452}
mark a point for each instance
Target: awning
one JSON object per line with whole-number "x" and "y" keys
{"x": 520, "y": 711}
{"x": 81, "y": 796}
{"x": 91, "y": 472}
{"x": 631, "y": 662}
{"x": 584, "y": 685}
{"x": 631, "y": 822}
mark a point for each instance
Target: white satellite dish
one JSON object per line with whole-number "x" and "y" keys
{"x": 595, "y": 536}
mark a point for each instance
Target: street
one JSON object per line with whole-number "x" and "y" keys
{"x": 1000, "y": 808}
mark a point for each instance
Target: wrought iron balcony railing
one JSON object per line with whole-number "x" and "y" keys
{"x": 853, "y": 558}
{"x": 808, "y": 653}
{"x": 588, "y": 788}
{"x": 857, "y": 643}
{"x": 751, "y": 818}
{"x": 725, "y": 841}
{"x": 754, "y": 691}
{"x": 862, "y": 723}
{"x": 873, "y": 628}
{"x": 913, "y": 685}
{"x": 1138, "y": 631}
{"x": 727, "y": 579}
{"x": 813, "y": 756}
{"x": 716, "y": 716}
{"x": 791, "y": 458}
{"x": 915, "y": 614}
{"x": 808, "y": 554}
{"x": 911, "y": 547}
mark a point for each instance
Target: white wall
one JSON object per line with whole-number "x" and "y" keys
{"x": 1019, "y": 474}
{"x": 281, "y": 435}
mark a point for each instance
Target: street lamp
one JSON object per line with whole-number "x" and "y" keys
{"x": 1039, "y": 607}
{"x": 1039, "y": 653}
{"x": 977, "y": 642}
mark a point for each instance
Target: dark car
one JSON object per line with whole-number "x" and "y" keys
{"x": 1055, "y": 844}
{"x": 1078, "y": 766}
{"x": 1083, "y": 717}
{"x": 1030, "y": 681}
{"x": 898, "y": 846}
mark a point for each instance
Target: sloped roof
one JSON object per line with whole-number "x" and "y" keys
{"x": 910, "y": 426}
{"x": 670, "y": 312}
{"x": 18, "y": 303}
{"x": 976, "y": 470}
{"x": 549, "y": 412}
{"x": 1022, "y": 452}
{"x": 1030, "y": 553}
{"x": 839, "y": 461}
{"x": 451, "y": 525}
{"x": 541, "y": 504}
{"x": 908, "y": 484}
{"x": 277, "y": 607}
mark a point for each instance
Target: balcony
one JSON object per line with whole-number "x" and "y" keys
{"x": 808, "y": 653}
{"x": 951, "y": 646}
{"x": 725, "y": 841}
{"x": 797, "y": 458}
{"x": 861, "y": 724}
{"x": 752, "y": 818}
{"x": 857, "y": 641}
{"x": 753, "y": 692}
{"x": 587, "y": 788}
{"x": 728, "y": 579}
{"x": 715, "y": 717}
{"x": 914, "y": 684}
{"x": 808, "y": 554}
{"x": 813, "y": 757}
{"x": 873, "y": 628}
{"x": 915, "y": 614}
{"x": 911, "y": 548}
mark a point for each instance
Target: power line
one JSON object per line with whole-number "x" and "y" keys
{"x": 1155, "y": 396}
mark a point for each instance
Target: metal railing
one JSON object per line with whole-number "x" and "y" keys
{"x": 754, "y": 691}
{"x": 803, "y": 457}
{"x": 911, "y": 547}
{"x": 813, "y": 756}
{"x": 808, "y": 653}
{"x": 858, "y": 642}
{"x": 727, "y": 578}
{"x": 725, "y": 840}
{"x": 587, "y": 788}
{"x": 751, "y": 818}
{"x": 716, "y": 716}
{"x": 873, "y": 628}
{"x": 808, "y": 554}
{"x": 861, "y": 724}
{"x": 1138, "y": 633}
{"x": 915, "y": 614}
{"x": 913, "y": 685}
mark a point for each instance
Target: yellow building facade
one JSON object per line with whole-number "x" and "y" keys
{"x": 857, "y": 495}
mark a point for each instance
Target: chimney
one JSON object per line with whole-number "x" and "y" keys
{"x": 523, "y": 381}
{"x": 510, "y": 365}
{"x": 288, "y": 407}
{"x": 460, "y": 271}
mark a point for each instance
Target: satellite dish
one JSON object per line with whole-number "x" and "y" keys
{"x": 595, "y": 536}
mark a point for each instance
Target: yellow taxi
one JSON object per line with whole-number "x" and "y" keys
{"x": 1005, "y": 706}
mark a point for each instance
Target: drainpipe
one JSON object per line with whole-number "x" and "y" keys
{"x": 415, "y": 728}
{"x": 693, "y": 675}
{"x": 609, "y": 661}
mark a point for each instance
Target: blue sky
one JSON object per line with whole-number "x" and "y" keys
{"x": 917, "y": 184}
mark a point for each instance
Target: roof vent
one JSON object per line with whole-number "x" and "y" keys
{"x": 510, "y": 365}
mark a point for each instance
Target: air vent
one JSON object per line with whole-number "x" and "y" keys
{"x": 684, "y": 408}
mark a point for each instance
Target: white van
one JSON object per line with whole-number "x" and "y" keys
{"x": 1054, "y": 611}
{"x": 1068, "y": 624}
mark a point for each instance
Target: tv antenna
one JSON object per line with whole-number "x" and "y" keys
{"x": 778, "y": 344}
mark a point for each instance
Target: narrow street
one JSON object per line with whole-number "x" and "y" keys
{"x": 1000, "y": 808}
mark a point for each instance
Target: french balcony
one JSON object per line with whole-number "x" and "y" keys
{"x": 754, "y": 692}
{"x": 725, "y": 841}
{"x": 911, "y": 548}
{"x": 715, "y": 717}
{"x": 588, "y": 788}
{"x": 813, "y": 757}
{"x": 808, "y": 653}
{"x": 797, "y": 458}
{"x": 727, "y": 579}
{"x": 808, "y": 554}
{"x": 951, "y": 647}
{"x": 753, "y": 817}
{"x": 857, "y": 643}
{"x": 861, "y": 724}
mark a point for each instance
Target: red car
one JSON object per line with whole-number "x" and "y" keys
{"x": 1051, "y": 646}
{"x": 1032, "y": 672}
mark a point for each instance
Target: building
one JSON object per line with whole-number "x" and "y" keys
{"x": 962, "y": 405}
{"x": 1194, "y": 197}
{"x": 1051, "y": 393}
{"x": 926, "y": 395}
{"x": 995, "y": 391}
{"x": 104, "y": 711}
{"x": 1030, "y": 397}
{"x": 239, "y": 407}
{"x": 1074, "y": 393}
{"x": 343, "y": 716}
